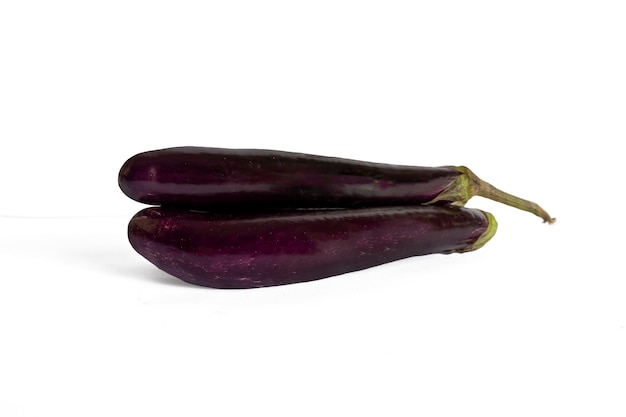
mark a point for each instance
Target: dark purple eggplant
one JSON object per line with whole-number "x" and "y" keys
{"x": 246, "y": 250}
{"x": 266, "y": 180}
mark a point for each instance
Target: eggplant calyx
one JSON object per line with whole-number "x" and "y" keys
{"x": 457, "y": 193}
{"x": 490, "y": 231}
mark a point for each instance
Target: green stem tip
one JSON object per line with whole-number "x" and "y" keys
{"x": 469, "y": 185}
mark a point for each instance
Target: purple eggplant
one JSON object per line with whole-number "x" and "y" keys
{"x": 266, "y": 180}
{"x": 247, "y": 250}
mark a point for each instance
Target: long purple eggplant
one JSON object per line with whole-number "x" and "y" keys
{"x": 246, "y": 250}
{"x": 267, "y": 180}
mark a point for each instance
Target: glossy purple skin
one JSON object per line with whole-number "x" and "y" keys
{"x": 252, "y": 179}
{"x": 252, "y": 250}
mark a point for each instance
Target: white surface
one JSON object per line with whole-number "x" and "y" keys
{"x": 529, "y": 95}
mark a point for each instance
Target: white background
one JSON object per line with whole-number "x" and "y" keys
{"x": 530, "y": 95}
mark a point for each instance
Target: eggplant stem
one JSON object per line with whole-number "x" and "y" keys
{"x": 482, "y": 188}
